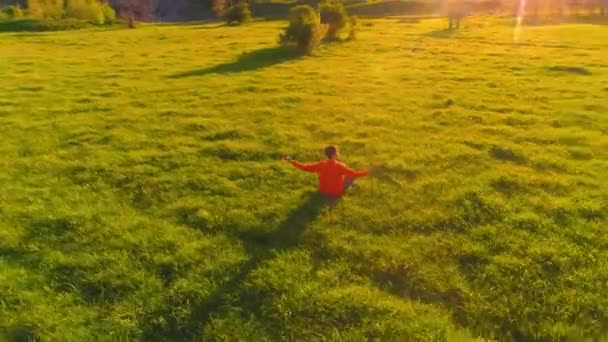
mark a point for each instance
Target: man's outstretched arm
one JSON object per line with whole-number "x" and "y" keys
{"x": 347, "y": 171}
{"x": 302, "y": 166}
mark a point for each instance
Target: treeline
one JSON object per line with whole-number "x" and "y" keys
{"x": 204, "y": 9}
{"x": 563, "y": 7}
{"x": 208, "y": 9}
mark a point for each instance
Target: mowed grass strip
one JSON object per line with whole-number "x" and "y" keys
{"x": 141, "y": 196}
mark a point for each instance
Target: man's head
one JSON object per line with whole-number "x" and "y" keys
{"x": 331, "y": 152}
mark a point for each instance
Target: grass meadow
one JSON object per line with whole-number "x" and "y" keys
{"x": 142, "y": 196}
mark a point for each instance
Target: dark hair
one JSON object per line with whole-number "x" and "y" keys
{"x": 330, "y": 151}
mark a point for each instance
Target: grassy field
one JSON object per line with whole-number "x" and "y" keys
{"x": 141, "y": 195}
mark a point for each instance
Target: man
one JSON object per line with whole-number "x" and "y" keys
{"x": 334, "y": 177}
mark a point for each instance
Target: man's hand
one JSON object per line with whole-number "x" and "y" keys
{"x": 284, "y": 157}
{"x": 375, "y": 168}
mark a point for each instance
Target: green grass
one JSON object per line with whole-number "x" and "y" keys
{"x": 141, "y": 196}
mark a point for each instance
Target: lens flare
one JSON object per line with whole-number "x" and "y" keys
{"x": 521, "y": 10}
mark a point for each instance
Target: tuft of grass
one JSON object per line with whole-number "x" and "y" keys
{"x": 141, "y": 196}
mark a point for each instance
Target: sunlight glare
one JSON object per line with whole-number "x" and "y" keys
{"x": 520, "y": 19}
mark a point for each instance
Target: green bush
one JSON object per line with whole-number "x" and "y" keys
{"x": 3, "y": 16}
{"x": 335, "y": 17}
{"x": 61, "y": 25}
{"x": 310, "y": 37}
{"x": 89, "y": 10}
{"x": 45, "y": 9}
{"x": 304, "y": 29}
{"x": 302, "y": 13}
{"x": 109, "y": 14}
{"x": 13, "y": 12}
{"x": 35, "y": 25}
{"x": 238, "y": 13}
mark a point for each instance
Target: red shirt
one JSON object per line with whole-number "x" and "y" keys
{"x": 331, "y": 175}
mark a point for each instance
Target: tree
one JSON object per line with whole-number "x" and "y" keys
{"x": 219, "y": 7}
{"x": 171, "y": 9}
{"x": 456, "y": 10}
{"x": 20, "y": 3}
{"x": 135, "y": 9}
{"x": 304, "y": 29}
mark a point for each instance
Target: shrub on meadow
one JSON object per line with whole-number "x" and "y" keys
{"x": 305, "y": 29}
{"x": 45, "y": 9}
{"x": 336, "y": 18}
{"x": 238, "y": 14}
{"x": 12, "y": 12}
{"x": 89, "y": 10}
{"x": 109, "y": 14}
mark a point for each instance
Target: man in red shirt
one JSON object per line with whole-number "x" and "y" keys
{"x": 334, "y": 177}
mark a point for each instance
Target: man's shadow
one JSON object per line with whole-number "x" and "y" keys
{"x": 261, "y": 246}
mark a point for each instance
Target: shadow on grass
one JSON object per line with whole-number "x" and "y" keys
{"x": 559, "y": 20}
{"x": 407, "y": 20}
{"x": 443, "y": 33}
{"x": 19, "y": 333}
{"x": 571, "y": 70}
{"x": 206, "y": 26}
{"x": 261, "y": 246}
{"x": 18, "y": 255}
{"x": 257, "y": 59}
{"x": 195, "y": 25}
{"x": 593, "y": 20}
{"x": 31, "y": 25}
{"x": 24, "y": 25}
